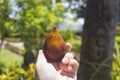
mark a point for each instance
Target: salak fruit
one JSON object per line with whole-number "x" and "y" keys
{"x": 54, "y": 46}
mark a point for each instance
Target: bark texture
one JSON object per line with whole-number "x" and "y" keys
{"x": 98, "y": 40}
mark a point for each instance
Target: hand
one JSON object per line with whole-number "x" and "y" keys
{"x": 64, "y": 70}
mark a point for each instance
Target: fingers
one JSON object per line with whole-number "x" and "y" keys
{"x": 70, "y": 69}
{"x": 73, "y": 65}
{"x": 69, "y": 65}
{"x": 68, "y": 74}
{"x": 69, "y": 47}
{"x": 66, "y": 59}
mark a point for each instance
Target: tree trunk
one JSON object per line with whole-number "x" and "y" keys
{"x": 98, "y": 40}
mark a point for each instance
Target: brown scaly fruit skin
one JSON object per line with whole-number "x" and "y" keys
{"x": 54, "y": 47}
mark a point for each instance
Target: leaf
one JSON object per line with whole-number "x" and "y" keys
{"x": 52, "y": 18}
{"x": 1, "y": 1}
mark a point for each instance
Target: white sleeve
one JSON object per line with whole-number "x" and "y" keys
{"x": 65, "y": 77}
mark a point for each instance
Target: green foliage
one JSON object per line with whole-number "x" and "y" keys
{"x": 1, "y": 1}
{"x": 73, "y": 39}
{"x": 76, "y": 44}
{"x": 36, "y": 19}
{"x": 18, "y": 73}
{"x": 117, "y": 38}
{"x": 7, "y": 27}
{"x": 8, "y": 58}
{"x": 15, "y": 72}
{"x": 116, "y": 63}
{"x": 67, "y": 35}
{"x": 10, "y": 67}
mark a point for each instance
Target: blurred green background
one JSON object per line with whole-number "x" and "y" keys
{"x": 24, "y": 24}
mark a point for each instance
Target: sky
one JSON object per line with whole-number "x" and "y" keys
{"x": 14, "y": 10}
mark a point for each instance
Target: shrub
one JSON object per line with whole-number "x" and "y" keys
{"x": 116, "y": 63}
{"x": 18, "y": 73}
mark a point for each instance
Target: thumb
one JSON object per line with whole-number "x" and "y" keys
{"x": 41, "y": 58}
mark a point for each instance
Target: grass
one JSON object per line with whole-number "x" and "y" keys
{"x": 10, "y": 69}
{"x": 9, "y": 58}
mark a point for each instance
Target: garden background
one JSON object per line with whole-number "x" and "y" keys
{"x": 24, "y": 24}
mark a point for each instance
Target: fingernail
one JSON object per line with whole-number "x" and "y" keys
{"x": 65, "y": 60}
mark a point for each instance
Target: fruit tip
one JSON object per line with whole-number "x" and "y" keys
{"x": 54, "y": 29}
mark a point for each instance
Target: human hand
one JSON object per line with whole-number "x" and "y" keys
{"x": 64, "y": 70}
